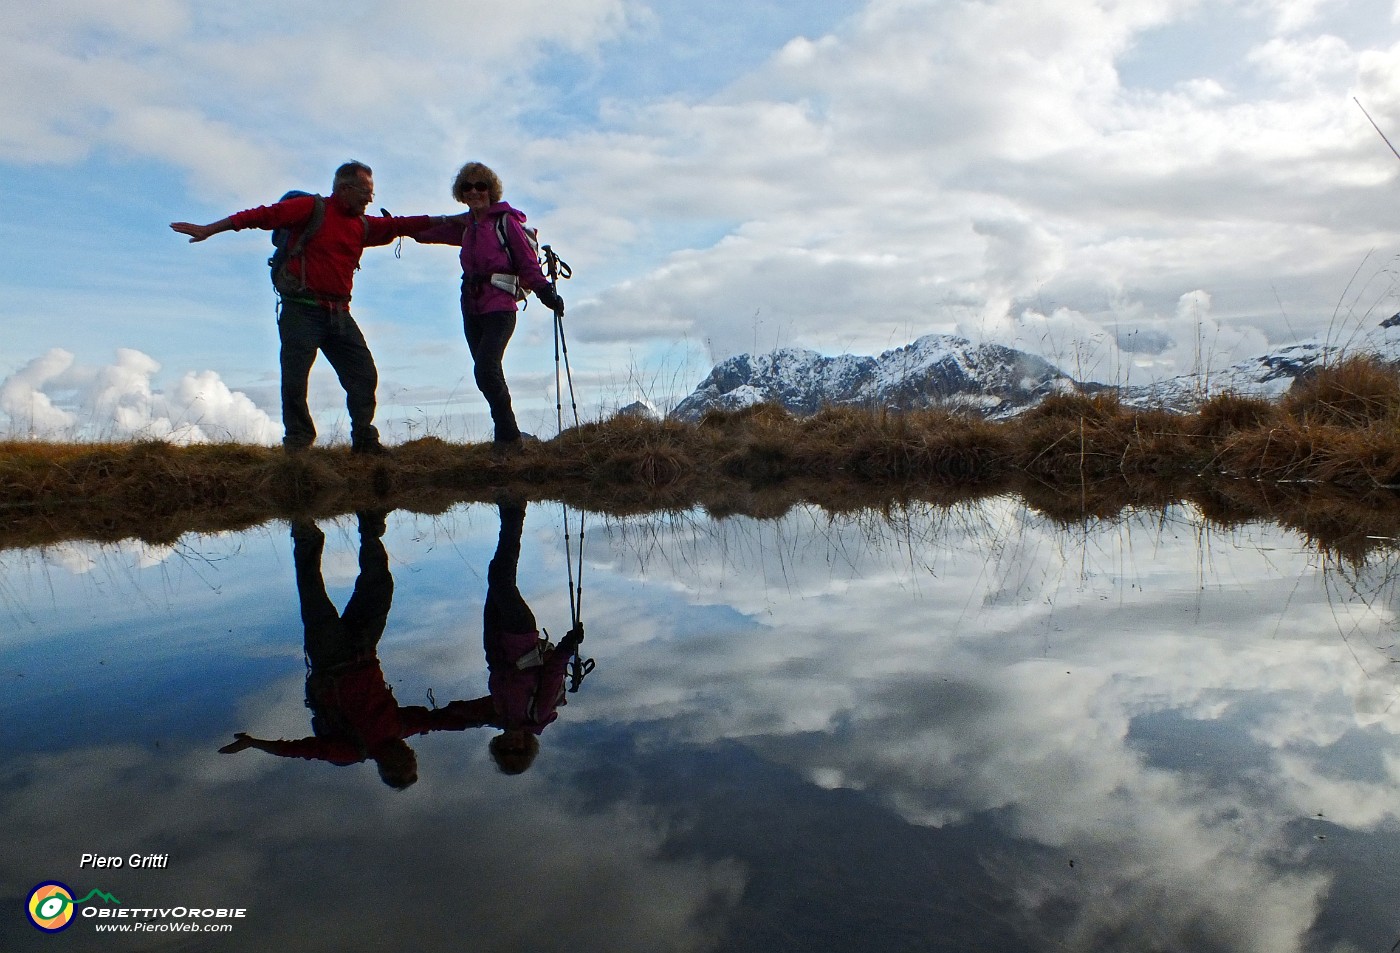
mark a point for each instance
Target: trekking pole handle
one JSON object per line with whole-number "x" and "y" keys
{"x": 557, "y": 267}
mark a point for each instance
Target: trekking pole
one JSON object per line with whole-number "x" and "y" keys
{"x": 556, "y": 269}
{"x": 568, "y": 374}
{"x": 1374, "y": 126}
{"x": 558, "y": 391}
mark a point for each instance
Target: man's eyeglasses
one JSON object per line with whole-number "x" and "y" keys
{"x": 366, "y": 191}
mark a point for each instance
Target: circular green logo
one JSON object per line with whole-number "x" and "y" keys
{"x": 51, "y": 906}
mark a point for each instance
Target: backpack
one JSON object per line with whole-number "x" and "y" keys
{"x": 533, "y": 688}
{"x": 511, "y": 282}
{"x": 284, "y": 249}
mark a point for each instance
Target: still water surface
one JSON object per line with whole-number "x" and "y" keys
{"x": 963, "y": 729}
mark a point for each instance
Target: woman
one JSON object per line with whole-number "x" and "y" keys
{"x": 497, "y": 258}
{"x": 526, "y": 673}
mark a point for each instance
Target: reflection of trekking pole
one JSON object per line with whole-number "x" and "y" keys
{"x": 578, "y": 666}
{"x": 1374, "y": 126}
{"x": 558, "y": 268}
{"x": 578, "y": 670}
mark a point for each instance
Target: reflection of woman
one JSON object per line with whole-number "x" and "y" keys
{"x": 354, "y": 715}
{"x": 525, "y": 672}
{"x": 496, "y": 260}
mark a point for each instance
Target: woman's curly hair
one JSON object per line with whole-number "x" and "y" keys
{"x": 476, "y": 172}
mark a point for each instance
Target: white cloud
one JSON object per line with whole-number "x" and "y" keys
{"x": 118, "y": 401}
{"x": 207, "y": 404}
{"x": 1289, "y": 16}
{"x": 1313, "y": 63}
{"x": 22, "y": 397}
{"x": 240, "y": 98}
{"x": 1001, "y": 166}
{"x": 907, "y": 168}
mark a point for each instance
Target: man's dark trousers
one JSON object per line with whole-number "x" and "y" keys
{"x": 304, "y": 329}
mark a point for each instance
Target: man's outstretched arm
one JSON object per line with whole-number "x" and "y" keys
{"x": 199, "y": 233}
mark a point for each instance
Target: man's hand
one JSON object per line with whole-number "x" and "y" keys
{"x": 199, "y": 233}
{"x": 240, "y": 742}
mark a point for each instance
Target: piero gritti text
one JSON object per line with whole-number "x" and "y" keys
{"x": 133, "y": 861}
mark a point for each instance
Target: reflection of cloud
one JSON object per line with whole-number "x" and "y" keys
{"x": 505, "y": 861}
{"x": 994, "y": 664}
{"x": 975, "y": 692}
{"x": 50, "y": 397}
{"x": 83, "y": 558}
{"x": 77, "y": 558}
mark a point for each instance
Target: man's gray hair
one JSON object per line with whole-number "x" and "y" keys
{"x": 349, "y": 172}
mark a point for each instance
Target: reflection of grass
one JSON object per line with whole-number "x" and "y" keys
{"x": 1334, "y": 438}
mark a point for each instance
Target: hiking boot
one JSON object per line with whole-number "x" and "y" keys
{"x": 508, "y": 500}
{"x": 520, "y": 441}
{"x": 307, "y": 531}
{"x": 294, "y": 448}
{"x": 369, "y": 448}
{"x": 372, "y": 523}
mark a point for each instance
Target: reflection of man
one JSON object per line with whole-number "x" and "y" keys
{"x": 354, "y": 715}
{"x": 315, "y": 312}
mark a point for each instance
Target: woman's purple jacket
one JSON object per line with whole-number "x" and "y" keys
{"x": 482, "y": 255}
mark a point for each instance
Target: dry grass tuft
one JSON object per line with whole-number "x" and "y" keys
{"x": 1226, "y": 413}
{"x": 1356, "y": 392}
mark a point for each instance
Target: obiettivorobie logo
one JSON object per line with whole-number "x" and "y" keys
{"x": 51, "y": 905}
{"x": 52, "y": 908}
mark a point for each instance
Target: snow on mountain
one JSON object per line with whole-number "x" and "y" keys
{"x": 938, "y": 369}
{"x": 641, "y": 408}
{"x": 989, "y": 379}
{"x": 1267, "y": 375}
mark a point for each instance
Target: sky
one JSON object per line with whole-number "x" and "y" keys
{"x": 1134, "y": 189}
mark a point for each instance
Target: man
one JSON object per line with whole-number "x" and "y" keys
{"x": 354, "y": 715}
{"x": 315, "y": 308}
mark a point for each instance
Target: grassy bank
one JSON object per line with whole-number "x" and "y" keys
{"x": 1331, "y": 446}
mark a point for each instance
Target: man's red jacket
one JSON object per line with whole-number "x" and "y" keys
{"x": 333, "y": 253}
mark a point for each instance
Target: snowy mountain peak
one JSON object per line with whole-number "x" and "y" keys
{"x": 991, "y": 379}
{"x": 936, "y": 369}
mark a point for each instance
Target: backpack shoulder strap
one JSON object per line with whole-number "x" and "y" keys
{"x": 313, "y": 225}
{"x": 504, "y": 238}
{"x": 281, "y": 280}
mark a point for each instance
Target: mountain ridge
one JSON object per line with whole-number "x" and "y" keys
{"x": 991, "y": 380}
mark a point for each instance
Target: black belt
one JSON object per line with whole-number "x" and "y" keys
{"x": 329, "y": 302}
